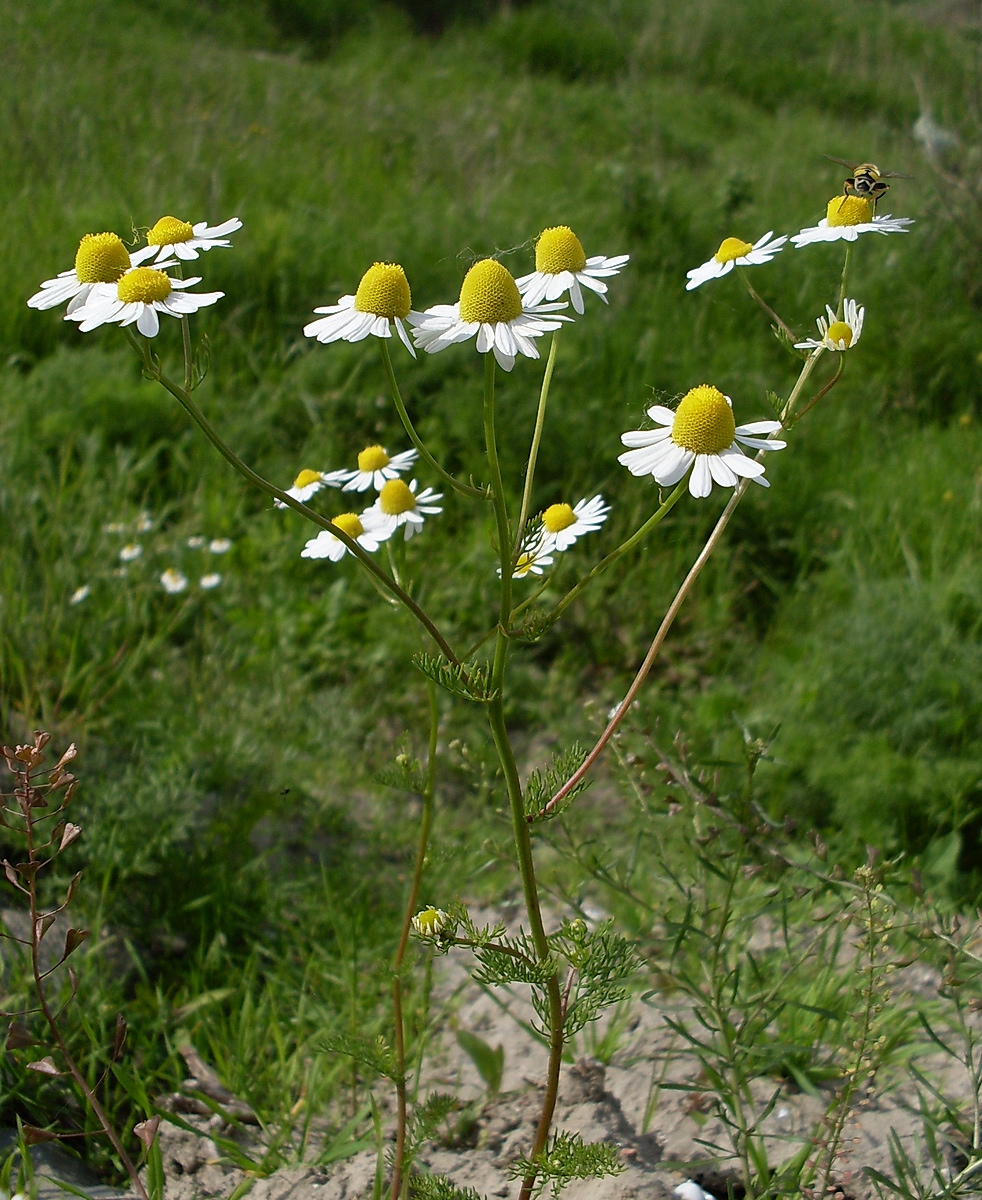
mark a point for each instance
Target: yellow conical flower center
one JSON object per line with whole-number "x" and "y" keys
{"x": 849, "y": 210}
{"x": 349, "y": 523}
{"x": 395, "y": 498}
{"x": 839, "y": 331}
{"x": 430, "y": 921}
{"x": 525, "y": 563}
{"x": 558, "y": 249}
{"x": 169, "y": 230}
{"x": 100, "y": 258}
{"x": 703, "y": 421}
{"x": 558, "y": 517}
{"x": 489, "y": 294}
{"x": 307, "y": 477}
{"x": 384, "y": 291}
{"x": 143, "y": 283}
{"x": 731, "y": 248}
{"x": 373, "y": 458}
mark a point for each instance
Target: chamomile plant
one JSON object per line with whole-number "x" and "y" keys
{"x": 378, "y": 512}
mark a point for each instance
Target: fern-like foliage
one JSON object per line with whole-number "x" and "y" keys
{"x": 566, "y": 1159}
{"x": 543, "y": 785}
{"x": 533, "y": 626}
{"x": 376, "y": 1054}
{"x": 603, "y": 961}
{"x": 406, "y": 776}
{"x": 427, "y": 1119}
{"x": 472, "y": 681}
{"x": 439, "y": 1187}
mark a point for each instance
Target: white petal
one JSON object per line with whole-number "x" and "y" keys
{"x": 148, "y": 322}
{"x": 701, "y": 479}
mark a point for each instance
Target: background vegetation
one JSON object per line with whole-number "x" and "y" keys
{"x": 234, "y": 836}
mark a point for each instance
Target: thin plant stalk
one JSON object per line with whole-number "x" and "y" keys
{"x": 465, "y": 489}
{"x": 422, "y": 845}
{"x": 755, "y": 295}
{"x": 540, "y": 420}
{"x": 506, "y": 756}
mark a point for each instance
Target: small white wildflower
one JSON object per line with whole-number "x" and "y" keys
{"x": 210, "y": 581}
{"x": 80, "y": 594}
{"x": 220, "y": 545}
{"x": 398, "y": 505}
{"x": 382, "y": 301}
{"x": 734, "y": 253}
{"x": 835, "y": 334}
{"x": 490, "y": 306}
{"x": 171, "y": 237}
{"x": 173, "y": 581}
{"x": 700, "y": 434}
{"x": 562, "y": 266}
{"x": 562, "y": 524}
{"x": 195, "y": 542}
{"x": 130, "y": 551}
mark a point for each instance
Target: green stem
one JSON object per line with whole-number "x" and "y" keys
{"x": 153, "y": 369}
{"x": 842, "y": 282}
{"x": 821, "y": 392}
{"x": 540, "y": 419}
{"x": 499, "y": 732}
{"x": 465, "y": 489}
{"x": 655, "y": 519}
{"x": 425, "y": 824}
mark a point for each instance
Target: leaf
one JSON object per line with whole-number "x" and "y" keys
{"x": 490, "y": 1063}
{"x": 119, "y": 1037}
{"x": 34, "y": 1136}
{"x": 73, "y": 939}
{"x": 18, "y": 1037}
{"x": 68, "y": 835}
{"x": 43, "y": 924}
{"x": 470, "y": 681}
{"x": 543, "y": 785}
{"x": 146, "y": 1131}
{"x": 44, "y": 1066}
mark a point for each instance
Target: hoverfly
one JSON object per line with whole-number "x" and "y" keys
{"x": 866, "y": 180}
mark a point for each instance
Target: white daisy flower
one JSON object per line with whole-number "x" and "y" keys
{"x": 383, "y": 300}
{"x": 376, "y": 468}
{"x": 366, "y": 531}
{"x": 308, "y": 483}
{"x": 130, "y": 552}
{"x": 80, "y": 594}
{"x": 734, "y": 253}
{"x": 700, "y": 434}
{"x": 562, "y": 525}
{"x": 398, "y": 505}
{"x": 137, "y": 298}
{"x": 846, "y": 218}
{"x": 195, "y": 542}
{"x": 144, "y": 523}
{"x": 561, "y": 266}
{"x": 114, "y": 527}
{"x": 220, "y": 545}
{"x": 100, "y": 258}
{"x": 209, "y": 581}
{"x": 491, "y": 307}
{"x": 180, "y": 239}
{"x": 835, "y": 334}
{"x": 430, "y": 922}
{"x": 173, "y": 581}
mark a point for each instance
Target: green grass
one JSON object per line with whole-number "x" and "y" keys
{"x": 237, "y": 731}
